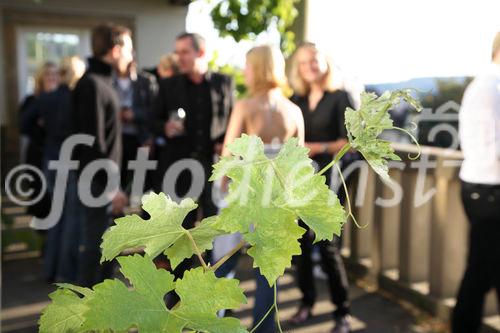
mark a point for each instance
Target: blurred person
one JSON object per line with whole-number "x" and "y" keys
{"x": 192, "y": 111}
{"x": 167, "y": 67}
{"x": 55, "y": 111}
{"x": 136, "y": 92}
{"x": 479, "y": 130}
{"x": 323, "y": 107}
{"x": 33, "y": 132}
{"x": 97, "y": 113}
{"x": 269, "y": 114}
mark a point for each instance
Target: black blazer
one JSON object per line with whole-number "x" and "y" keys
{"x": 172, "y": 95}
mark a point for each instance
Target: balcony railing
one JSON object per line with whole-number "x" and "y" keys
{"x": 414, "y": 233}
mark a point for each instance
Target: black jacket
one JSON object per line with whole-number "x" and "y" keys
{"x": 173, "y": 95}
{"x": 145, "y": 89}
{"x": 96, "y": 112}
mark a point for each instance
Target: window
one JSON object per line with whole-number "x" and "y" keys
{"x": 36, "y": 46}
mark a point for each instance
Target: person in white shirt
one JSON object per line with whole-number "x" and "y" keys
{"x": 479, "y": 128}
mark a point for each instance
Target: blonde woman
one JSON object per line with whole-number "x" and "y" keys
{"x": 168, "y": 66}
{"x": 33, "y": 130}
{"x": 269, "y": 114}
{"x": 266, "y": 112}
{"x": 55, "y": 111}
{"x": 323, "y": 107}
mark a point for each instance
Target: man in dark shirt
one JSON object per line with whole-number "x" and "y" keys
{"x": 206, "y": 99}
{"x": 96, "y": 113}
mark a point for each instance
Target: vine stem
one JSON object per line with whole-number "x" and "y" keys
{"x": 276, "y": 307}
{"x": 262, "y": 319}
{"x": 228, "y": 255}
{"x": 337, "y": 158}
{"x": 348, "y": 200}
{"x": 197, "y": 250}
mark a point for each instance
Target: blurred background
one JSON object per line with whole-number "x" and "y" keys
{"x": 411, "y": 264}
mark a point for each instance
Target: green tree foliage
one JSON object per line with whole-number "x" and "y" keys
{"x": 247, "y": 19}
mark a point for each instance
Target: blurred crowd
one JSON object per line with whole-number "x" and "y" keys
{"x": 179, "y": 110}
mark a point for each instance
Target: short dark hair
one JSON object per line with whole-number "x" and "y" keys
{"x": 105, "y": 36}
{"x": 196, "y": 39}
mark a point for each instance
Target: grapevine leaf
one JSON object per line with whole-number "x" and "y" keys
{"x": 65, "y": 313}
{"x": 365, "y": 125}
{"x": 307, "y": 193}
{"x": 158, "y": 233}
{"x": 113, "y": 306}
{"x": 202, "y": 294}
{"x": 268, "y": 195}
{"x": 203, "y": 235}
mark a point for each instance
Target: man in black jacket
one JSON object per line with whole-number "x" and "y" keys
{"x": 97, "y": 110}
{"x": 206, "y": 100}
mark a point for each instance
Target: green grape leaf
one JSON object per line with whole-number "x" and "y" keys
{"x": 202, "y": 294}
{"x": 66, "y": 312}
{"x": 112, "y": 306}
{"x": 268, "y": 195}
{"x": 158, "y": 233}
{"x": 203, "y": 235}
{"x": 307, "y": 193}
{"x": 366, "y": 124}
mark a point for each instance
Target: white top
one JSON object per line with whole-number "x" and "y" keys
{"x": 479, "y": 124}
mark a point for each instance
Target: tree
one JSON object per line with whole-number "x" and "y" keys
{"x": 247, "y": 19}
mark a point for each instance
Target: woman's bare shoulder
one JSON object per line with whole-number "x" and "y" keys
{"x": 290, "y": 106}
{"x": 244, "y": 104}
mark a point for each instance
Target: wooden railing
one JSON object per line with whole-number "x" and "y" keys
{"x": 414, "y": 246}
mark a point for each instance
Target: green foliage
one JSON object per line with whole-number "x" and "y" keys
{"x": 366, "y": 124}
{"x": 267, "y": 196}
{"x": 247, "y": 19}
{"x": 112, "y": 306}
{"x": 160, "y": 232}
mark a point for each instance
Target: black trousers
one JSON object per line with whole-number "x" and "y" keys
{"x": 130, "y": 145}
{"x": 90, "y": 271}
{"x": 482, "y": 273}
{"x": 332, "y": 265}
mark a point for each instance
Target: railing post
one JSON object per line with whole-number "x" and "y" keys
{"x": 386, "y": 224}
{"x": 363, "y": 208}
{"x": 448, "y": 231}
{"x": 415, "y": 224}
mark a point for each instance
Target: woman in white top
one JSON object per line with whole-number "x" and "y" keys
{"x": 269, "y": 114}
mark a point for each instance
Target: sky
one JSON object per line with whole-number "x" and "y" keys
{"x": 384, "y": 40}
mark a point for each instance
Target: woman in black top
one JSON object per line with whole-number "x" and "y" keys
{"x": 323, "y": 109}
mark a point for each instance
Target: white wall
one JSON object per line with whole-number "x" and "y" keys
{"x": 156, "y": 31}
{"x": 156, "y": 21}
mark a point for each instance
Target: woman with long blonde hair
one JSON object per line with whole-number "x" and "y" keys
{"x": 269, "y": 114}
{"x": 323, "y": 106}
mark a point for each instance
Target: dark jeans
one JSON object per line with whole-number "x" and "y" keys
{"x": 332, "y": 265}
{"x": 63, "y": 240}
{"x": 264, "y": 299}
{"x": 96, "y": 221}
{"x": 482, "y": 206}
